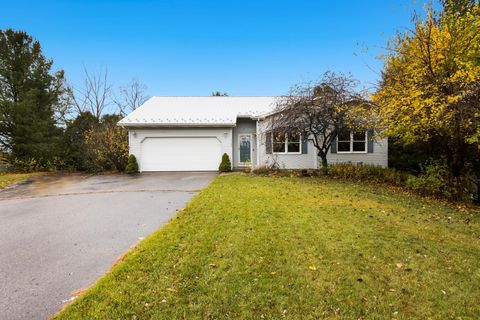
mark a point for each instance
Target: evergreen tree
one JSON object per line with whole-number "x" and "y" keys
{"x": 30, "y": 95}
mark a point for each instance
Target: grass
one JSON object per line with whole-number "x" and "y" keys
{"x": 7, "y": 179}
{"x": 250, "y": 247}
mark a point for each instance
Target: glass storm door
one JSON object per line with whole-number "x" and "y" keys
{"x": 245, "y": 148}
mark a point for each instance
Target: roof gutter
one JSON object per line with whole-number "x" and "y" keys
{"x": 174, "y": 125}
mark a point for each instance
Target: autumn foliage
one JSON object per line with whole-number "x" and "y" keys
{"x": 430, "y": 87}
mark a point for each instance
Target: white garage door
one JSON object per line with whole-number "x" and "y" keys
{"x": 180, "y": 154}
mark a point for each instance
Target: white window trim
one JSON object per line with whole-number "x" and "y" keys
{"x": 351, "y": 144}
{"x": 286, "y": 145}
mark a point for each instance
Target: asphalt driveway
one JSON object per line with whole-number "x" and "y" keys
{"x": 58, "y": 234}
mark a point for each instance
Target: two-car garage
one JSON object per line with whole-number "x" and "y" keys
{"x": 180, "y": 149}
{"x": 180, "y": 154}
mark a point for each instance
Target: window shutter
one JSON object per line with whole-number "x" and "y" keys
{"x": 304, "y": 146}
{"x": 268, "y": 142}
{"x": 333, "y": 147}
{"x": 370, "y": 141}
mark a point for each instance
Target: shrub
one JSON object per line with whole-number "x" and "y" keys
{"x": 435, "y": 180}
{"x": 430, "y": 181}
{"x": 368, "y": 173}
{"x": 225, "y": 165}
{"x": 132, "y": 165}
{"x": 263, "y": 170}
{"x": 106, "y": 147}
{"x": 32, "y": 165}
{"x": 96, "y": 145}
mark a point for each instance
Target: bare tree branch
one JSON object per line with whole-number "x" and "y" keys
{"x": 131, "y": 96}
{"x": 94, "y": 96}
{"x": 318, "y": 110}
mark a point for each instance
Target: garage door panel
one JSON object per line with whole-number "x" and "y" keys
{"x": 180, "y": 154}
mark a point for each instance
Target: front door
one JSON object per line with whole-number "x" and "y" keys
{"x": 245, "y": 149}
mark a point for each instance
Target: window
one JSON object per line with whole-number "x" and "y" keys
{"x": 359, "y": 141}
{"x": 350, "y": 142}
{"x": 286, "y": 143}
{"x": 343, "y": 139}
{"x": 279, "y": 142}
{"x": 293, "y": 142}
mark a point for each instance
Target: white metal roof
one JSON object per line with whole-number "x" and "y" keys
{"x": 197, "y": 111}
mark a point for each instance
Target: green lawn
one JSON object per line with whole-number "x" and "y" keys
{"x": 298, "y": 248}
{"x": 9, "y": 178}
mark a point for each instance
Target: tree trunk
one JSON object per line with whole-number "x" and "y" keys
{"x": 323, "y": 157}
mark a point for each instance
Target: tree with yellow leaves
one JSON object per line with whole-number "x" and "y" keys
{"x": 430, "y": 86}
{"x": 106, "y": 145}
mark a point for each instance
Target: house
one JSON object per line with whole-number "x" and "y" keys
{"x": 192, "y": 133}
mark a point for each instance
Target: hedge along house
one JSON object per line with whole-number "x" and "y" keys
{"x": 192, "y": 133}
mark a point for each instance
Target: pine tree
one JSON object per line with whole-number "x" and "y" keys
{"x": 29, "y": 97}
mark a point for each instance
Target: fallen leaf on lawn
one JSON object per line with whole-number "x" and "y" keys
{"x": 163, "y": 301}
{"x": 273, "y": 273}
{"x": 392, "y": 290}
{"x": 213, "y": 265}
{"x": 171, "y": 290}
{"x": 313, "y": 268}
{"x": 400, "y": 265}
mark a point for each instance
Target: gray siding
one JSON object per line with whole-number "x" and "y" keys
{"x": 378, "y": 157}
{"x": 286, "y": 161}
{"x": 244, "y": 126}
